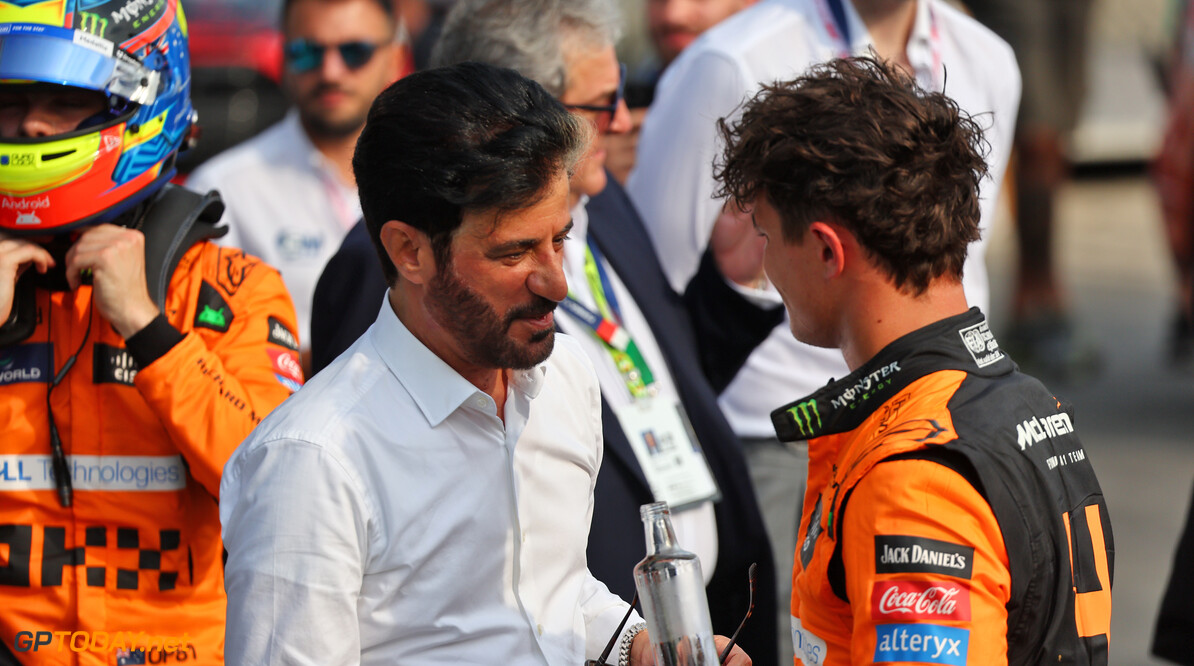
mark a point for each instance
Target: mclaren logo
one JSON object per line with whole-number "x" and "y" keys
{"x": 806, "y": 417}
{"x": 1035, "y": 429}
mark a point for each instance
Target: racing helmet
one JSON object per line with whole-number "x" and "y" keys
{"x": 132, "y": 51}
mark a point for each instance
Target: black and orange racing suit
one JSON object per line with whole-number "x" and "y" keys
{"x": 952, "y": 516}
{"x": 132, "y": 571}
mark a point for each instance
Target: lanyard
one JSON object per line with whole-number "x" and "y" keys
{"x": 605, "y": 324}
{"x": 834, "y": 17}
{"x": 837, "y": 26}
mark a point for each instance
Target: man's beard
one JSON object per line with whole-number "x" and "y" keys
{"x": 483, "y": 334}
{"x": 330, "y": 128}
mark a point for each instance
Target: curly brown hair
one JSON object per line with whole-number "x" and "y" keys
{"x": 856, "y": 141}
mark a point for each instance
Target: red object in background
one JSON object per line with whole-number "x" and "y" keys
{"x": 236, "y": 33}
{"x": 236, "y": 68}
{"x": 236, "y": 71}
{"x": 233, "y": 45}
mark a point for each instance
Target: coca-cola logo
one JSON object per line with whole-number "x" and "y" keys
{"x": 286, "y": 364}
{"x": 920, "y": 600}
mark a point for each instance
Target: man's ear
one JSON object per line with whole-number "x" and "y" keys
{"x": 831, "y": 247}
{"x": 410, "y": 251}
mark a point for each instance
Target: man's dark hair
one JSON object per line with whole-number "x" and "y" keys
{"x": 386, "y": 6}
{"x": 465, "y": 138}
{"x": 856, "y": 141}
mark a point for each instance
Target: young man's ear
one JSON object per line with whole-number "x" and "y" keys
{"x": 831, "y": 247}
{"x": 410, "y": 251}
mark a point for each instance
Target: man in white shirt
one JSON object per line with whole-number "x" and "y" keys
{"x": 673, "y": 183}
{"x": 651, "y": 383}
{"x": 428, "y": 499}
{"x": 289, "y": 192}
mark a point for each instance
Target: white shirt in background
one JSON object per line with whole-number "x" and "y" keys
{"x": 672, "y": 184}
{"x": 285, "y": 204}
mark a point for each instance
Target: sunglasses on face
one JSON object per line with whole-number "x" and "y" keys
{"x": 606, "y": 112}
{"x": 304, "y": 55}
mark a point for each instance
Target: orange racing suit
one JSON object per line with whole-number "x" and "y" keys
{"x": 952, "y": 516}
{"x": 147, "y": 427}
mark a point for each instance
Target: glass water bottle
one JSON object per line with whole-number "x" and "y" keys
{"x": 672, "y": 591}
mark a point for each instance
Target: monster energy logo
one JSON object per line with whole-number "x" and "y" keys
{"x": 93, "y": 23}
{"x": 803, "y": 414}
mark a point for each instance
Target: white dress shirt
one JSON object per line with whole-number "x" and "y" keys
{"x": 284, "y": 203}
{"x": 696, "y": 526}
{"x": 672, "y": 183}
{"x": 384, "y": 514}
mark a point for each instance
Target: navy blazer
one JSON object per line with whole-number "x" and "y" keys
{"x": 346, "y": 303}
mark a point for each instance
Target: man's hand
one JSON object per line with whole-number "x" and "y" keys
{"x": 737, "y": 656}
{"x": 738, "y": 248}
{"x": 16, "y": 256}
{"x": 116, "y": 258}
{"x": 641, "y": 653}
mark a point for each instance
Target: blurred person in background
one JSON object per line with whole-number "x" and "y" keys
{"x": 290, "y": 193}
{"x": 646, "y": 354}
{"x": 671, "y": 25}
{"x": 134, "y": 354}
{"x": 1173, "y": 173}
{"x": 673, "y": 187}
{"x": 424, "y": 20}
{"x": 1049, "y": 39}
{"x": 1173, "y": 634}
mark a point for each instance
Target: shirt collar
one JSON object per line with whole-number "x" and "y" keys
{"x": 577, "y": 241}
{"x": 920, "y": 41}
{"x": 436, "y": 388}
{"x": 921, "y": 46}
{"x": 580, "y": 219}
{"x": 304, "y": 151}
{"x": 860, "y": 37}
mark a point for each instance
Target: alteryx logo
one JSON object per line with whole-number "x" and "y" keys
{"x": 25, "y": 363}
{"x": 922, "y": 644}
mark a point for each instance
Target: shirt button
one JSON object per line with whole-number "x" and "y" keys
{"x": 480, "y": 402}
{"x": 524, "y": 536}
{"x": 540, "y": 629}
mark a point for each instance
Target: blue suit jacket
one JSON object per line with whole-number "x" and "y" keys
{"x": 346, "y": 302}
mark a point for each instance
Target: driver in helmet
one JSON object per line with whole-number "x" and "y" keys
{"x": 134, "y": 354}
